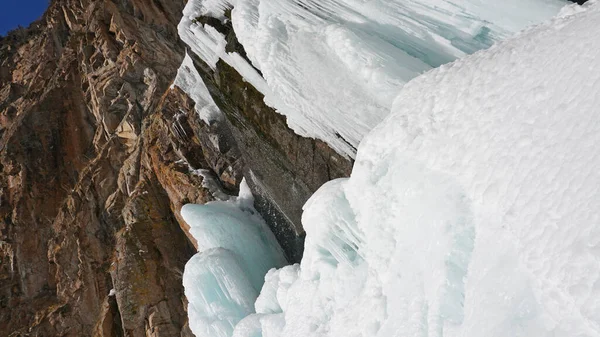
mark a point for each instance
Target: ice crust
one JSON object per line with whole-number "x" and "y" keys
{"x": 472, "y": 209}
{"x": 235, "y": 251}
{"x": 333, "y": 67}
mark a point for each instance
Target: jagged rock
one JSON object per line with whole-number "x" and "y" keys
{"x": 77, "y": 90}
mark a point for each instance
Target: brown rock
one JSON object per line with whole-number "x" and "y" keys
{"x": 78, "y": 191}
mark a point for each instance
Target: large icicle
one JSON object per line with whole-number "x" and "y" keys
{"x": 188, "y": 79}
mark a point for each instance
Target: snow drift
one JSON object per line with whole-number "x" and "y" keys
{"x": 333, "y": 67}
{"x": 472, "y": 210}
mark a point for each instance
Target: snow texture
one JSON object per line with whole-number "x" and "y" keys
{"x": 472, "y": 210}
{"x": 188, "y": 79}
{"x": 235, "y": 251}
{"x": 333, "y": 67}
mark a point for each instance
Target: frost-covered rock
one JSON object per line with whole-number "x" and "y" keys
{"x": 472, "y": 209}
{"x": 333, "y": 68}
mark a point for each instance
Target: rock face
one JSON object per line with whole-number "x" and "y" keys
{"x": 97, "y": 156}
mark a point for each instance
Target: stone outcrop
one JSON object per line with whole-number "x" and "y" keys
{"x": 82, "y": 210}
{"x": 97, "y": 155}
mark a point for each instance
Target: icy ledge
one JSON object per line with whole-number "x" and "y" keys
{"x": 333, "y": 67}
{"x": 472, "y": 209}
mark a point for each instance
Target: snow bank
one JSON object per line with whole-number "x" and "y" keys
{"x": 235, "y": 251}
{"x": 333, "y": 67}
{"x": 472, "y": 210}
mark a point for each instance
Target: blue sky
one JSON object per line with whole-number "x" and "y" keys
{"x": 20, "y": 12}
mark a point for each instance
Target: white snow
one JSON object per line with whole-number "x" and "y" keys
{"x": 472, "y": 209}
{"x": 188, "y": 79}
{"x": 333, "y": 67}
{"x": 273, "y": 296}
{"x": 235, "y": 251}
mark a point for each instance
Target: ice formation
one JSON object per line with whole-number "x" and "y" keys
{"x": 188, "y": 79}
{"x": 235, "y": 251}
{"x": 333, "y": 67}
{"x": 472, "y": 210}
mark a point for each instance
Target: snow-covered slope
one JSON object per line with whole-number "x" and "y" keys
{"x": 472, "y": 210}
{"x": 333, "y": 67}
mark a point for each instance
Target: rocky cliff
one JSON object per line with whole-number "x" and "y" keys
{"x": 97, "y": 155}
